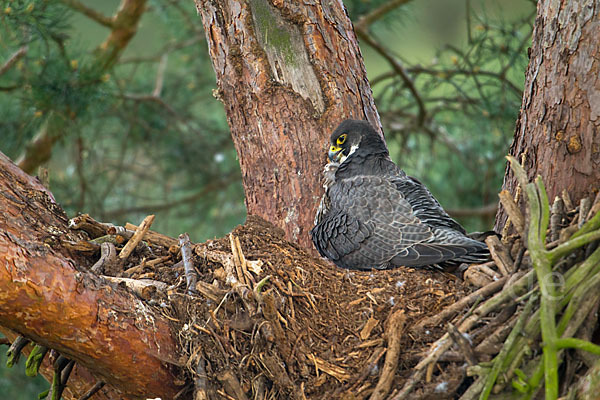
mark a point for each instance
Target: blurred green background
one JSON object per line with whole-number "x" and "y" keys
{"x": 147, "y": 136}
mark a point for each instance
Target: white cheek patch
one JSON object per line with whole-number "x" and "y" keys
{"x": 352, "y": 150}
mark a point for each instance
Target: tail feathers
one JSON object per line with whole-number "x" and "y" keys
{"x": 446, "y": 250}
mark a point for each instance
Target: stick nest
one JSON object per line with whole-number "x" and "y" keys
{"x": 266, "y": 320}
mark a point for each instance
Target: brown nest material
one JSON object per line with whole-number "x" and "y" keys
{"x": 259, "y": 318}
{"x": 269, "y": 318}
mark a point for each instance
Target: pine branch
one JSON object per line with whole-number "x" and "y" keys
{"x": 90, "y": 13}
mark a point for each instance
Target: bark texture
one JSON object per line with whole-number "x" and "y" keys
{"x": 287, "y": 73}
{"x": 557, "y": 129}
{"x": 44, "y": 297}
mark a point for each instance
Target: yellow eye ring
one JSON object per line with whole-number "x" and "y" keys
{"x": 342, "y": 138}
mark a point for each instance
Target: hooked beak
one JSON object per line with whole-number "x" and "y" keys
{"x": 335, "y": 153}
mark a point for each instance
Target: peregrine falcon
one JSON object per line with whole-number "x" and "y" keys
{"x": 373, "y": 215}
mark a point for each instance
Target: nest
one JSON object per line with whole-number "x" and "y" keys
{"x": 259, "y": 318}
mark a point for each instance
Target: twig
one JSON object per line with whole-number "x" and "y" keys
{"x": 572, "y": 244}
{"x": 88, "y": 224}
{"x": 107, "y": 261}
{"x": 584, "y": 207}
{"x": 138, "y": 285}
{"x": 492, "y": 344}
{"x": 32, "y": 365}
{"x": 188, "y": 262}
{"x": 393, "y": 334}
{"x": 61, "y": 364}
{"x": 239, "y": 260}
{"x": 153, "y": 237}
{"x": 14, "y": 351}
{"x": 500, "y": 359}
{"x": 366, "y": 20}
{"x": 567, "y": 200}
{"x": 371, "y": 363}
{"x": 448, "y": 312}
{"x": 136, "y": 238}
{"x": 93, "y": 390}
{"x": 595, "y": 208}
{"x": 500, "y": 255}
{"x": 437, "y": 349}
{"x": 519, "y": 259}
{"x": 443, "y": 343}
{"x": 13, "y": 59}
{"x": 514, "y": 214}
{"x": 399, "y": 69}
{"x": 200, "y": 383}
{"x": 232, "y": 385}
{"x": 336, "y": 371}
{"x": 557, "y": 213}
{"x": 90, "y": 13}
{"x": 463, "y": 344}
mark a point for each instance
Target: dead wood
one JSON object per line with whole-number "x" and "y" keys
{"x": 393, "y": 332}
{"x": 188, "y": 263}
{"x": 154, "y": 237}
{"x": 500, "y": 255}
{"x": 135, "y": 239}
{"x": 514, "y": 214}
{"x": 459, "y": 306}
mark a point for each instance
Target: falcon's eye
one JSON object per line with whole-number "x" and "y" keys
{"x": 341, "y": 139}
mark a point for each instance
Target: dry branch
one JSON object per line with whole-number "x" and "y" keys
{"x": 393, "y": 333}
{"x": 188, "y": 263}
{"x": 459, "y": 306}
{"x": 136, "y": 238}
{"x": 514, "y": 214}
{"x": 500, "y": 255}
{"x": 154, "y": 237}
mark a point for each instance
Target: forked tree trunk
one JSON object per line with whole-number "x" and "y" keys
{"x": 287, "y": 72}
{"x": 558, "y": 128}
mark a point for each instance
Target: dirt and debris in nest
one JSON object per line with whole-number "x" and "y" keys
{"x": 269, "y": 319}
{"x": 313, "y": 329}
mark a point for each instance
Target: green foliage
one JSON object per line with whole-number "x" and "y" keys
{"x": 144, "y": 136}
{"x": 14, "y": 384}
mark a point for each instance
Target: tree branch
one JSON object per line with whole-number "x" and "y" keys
{"x": 366, "y": 20}
{"x": 13, "y": 59}
{"x": 90, "y": 13}
{"x": 398, "y": 68}
{"x": 104, "y": 328}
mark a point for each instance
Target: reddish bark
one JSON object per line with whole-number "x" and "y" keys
{"x": 287, "y": 73}
{"x": 560, "y": 113}
{"x": 80, "y": 380}
{"x": 44, "y": 297}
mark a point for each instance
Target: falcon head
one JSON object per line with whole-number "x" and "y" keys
{"x": 352, "y": 135}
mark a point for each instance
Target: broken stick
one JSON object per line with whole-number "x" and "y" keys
{"x": 393, "y": 334}
{"x": 136, "y": 238}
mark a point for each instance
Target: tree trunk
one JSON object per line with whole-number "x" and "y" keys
{"x": 557, "y": 129}
{"x": 287, "y": 73}
{"x": 45, "y": 297}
